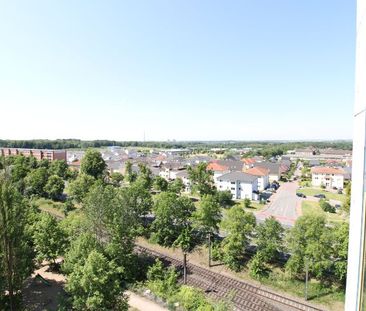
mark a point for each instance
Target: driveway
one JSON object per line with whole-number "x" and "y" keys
{"x": 285, "y": 206}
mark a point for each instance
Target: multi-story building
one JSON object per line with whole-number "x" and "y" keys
{"x": 39, "y": 154}
{"x": 262, "y": 173}
{"x": 241, "y": 185}
{"x": 328, "y": 177}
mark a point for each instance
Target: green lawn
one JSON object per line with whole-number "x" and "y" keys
{"x": 328, "y": 195}
{"x": 50, "y": 206}
{"x": 255, "y": 207}
{"x": 310, "y": 207}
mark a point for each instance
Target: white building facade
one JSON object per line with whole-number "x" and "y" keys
{"x": 328, "y": 177}
{"x": 241, "y": 185}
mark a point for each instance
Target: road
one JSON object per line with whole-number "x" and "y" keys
{"x": 285, "y": 206}
{"x": 140, "y": 303}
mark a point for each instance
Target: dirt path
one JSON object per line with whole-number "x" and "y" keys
{"x": 43, "y": 295}
{"x": 142, "y": 304}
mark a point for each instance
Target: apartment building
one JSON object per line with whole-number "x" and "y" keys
{"x": 327, "y": 176}
{"x": 241, "y": 185}
{"x": 39, "y": 154}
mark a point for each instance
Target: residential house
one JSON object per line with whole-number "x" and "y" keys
{"x": 262, "y": 174}
{"x": 241, "y": 185}
{"x": 328, "y": 176}
{"x": 184, "y": 176}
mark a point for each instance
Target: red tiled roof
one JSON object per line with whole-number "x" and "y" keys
{"x": 217, "y": 167}
{"x": 258, "y": 171}
{"x": 327, "y": 170}
{"x": 248, "y": 161}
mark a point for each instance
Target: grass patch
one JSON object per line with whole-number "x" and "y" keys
{"x": 49, "y": 206}
{"x": 255, "y": 206}
{"x": 328, "y": 195}
{"x": 329, "y": 296}
{"x": 310, "y": 207}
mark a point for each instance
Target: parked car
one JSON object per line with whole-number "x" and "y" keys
{"x": 337, "y": 206}
{"x": 301, "y": 195}
{"x": 340, "y": 191}
{"x": 320, "y": 196}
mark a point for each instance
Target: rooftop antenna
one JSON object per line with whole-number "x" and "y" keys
{"x": 144, "y": 135}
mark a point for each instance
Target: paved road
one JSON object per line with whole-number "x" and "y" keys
{"x": 285, "y": 206}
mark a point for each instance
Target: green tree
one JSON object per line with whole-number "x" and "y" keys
{"x": 239, "y": 226}
{"x": 16, "y": 256}
{"x": 161, "y": 281}
{"x": 35, "y": 181}
{"x": 224, "y": 198}
{"x": 116, "y": 179}
{"x": 176, "y": 186}
{"x": 160, "y": 184}
{"x": 59, "y": 168}
{"x": 95, "y": 285}
{"x": 145, "y": 176}
{"x": 80, "y": 247}
{"x": 247, "y": 203}
{"x": 92, "y": 164}
{"x": 269, "y": 239}
{"x": 201, "y": 179}
{"x": 129, "y": 173}
{"x": 326, "y": 207}
{"x": 97, "y": 206}
{"x": 79, "y": 188}
{"x": 340, "y": 251}
{"x": 54, "y": 187}
{"x": 309, "y": 241}
{"x": 49, "y": 238}
{"x": 207, "y": 218}
{"x": 172, "y": 224}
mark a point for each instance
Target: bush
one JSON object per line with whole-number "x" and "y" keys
{"x": 161, "y": 281}
{"x": 326, "y": 207}
{"x": 257, "y": 267}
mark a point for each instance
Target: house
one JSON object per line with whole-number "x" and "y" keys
{"x": 185, "y": 178}
{"x": 220, "y": 167}
{"x": 241, "y": 185}
{"x": 328, "y": 176}
{"x": 248, "y": 162}
{"x": 262, "y": 174}
{"x": 275, "y": 169}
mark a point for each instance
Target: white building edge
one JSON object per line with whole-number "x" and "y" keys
{"x": 355, "y": 290}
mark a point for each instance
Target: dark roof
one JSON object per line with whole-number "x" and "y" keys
{"x": 238, "y": 176}
{"x": 274, "y": 168}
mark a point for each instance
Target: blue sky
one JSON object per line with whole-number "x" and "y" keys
{"x": 184, "y": 70}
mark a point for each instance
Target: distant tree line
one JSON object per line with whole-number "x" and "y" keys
{"x": 265, "y": 148}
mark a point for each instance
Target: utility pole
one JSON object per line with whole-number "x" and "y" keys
{"x": 184, "y": 268}
{"x": 209, "y": 249}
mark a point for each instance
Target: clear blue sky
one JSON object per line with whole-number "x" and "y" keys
{"x": 184, "y": 70}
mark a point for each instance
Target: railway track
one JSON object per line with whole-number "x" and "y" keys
{"x": 244, "y": 296}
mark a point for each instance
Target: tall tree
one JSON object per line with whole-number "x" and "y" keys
{"x": 173, "y": 223}
{"x": 269, "y": 239}
{"x": 15, "y": 251}
{"x": 207, "y": 219}
{"x": 35, "y": 181}
{"x": 54, "y": 187}
{"x": 309, "y": 243}
{"x": 95, "y": 285}
{"x": 129, "y": 173}
{"x": 79, "y": 188}
{"x": 160, "y": 184}
{"x": 201, "y": 179}
{"x": 340, "y": 251}
{"x": 93, "y": 164}
{"x": 239, "y": 226}
{"x": 49, "y": 238}
{"x": 59, "y": 168}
